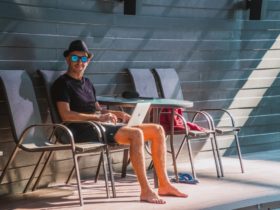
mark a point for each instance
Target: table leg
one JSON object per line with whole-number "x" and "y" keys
{"x": 155, "y": 120}
{"x": 172, "y": 145}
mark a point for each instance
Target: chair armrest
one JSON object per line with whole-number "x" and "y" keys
{"x": 225, "y": 112}
{"x": 205, "y": 116}
{"x": 54, "y": 127}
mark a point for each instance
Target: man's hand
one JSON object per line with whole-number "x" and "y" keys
{"x": 125, "y": 117}
{"x": 108, "y": 117}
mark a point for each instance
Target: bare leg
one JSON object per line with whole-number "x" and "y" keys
{"x": 155, "y": 134}
{"x": 134, "y": 137}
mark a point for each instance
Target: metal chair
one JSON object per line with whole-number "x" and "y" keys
{"x": 170, "y": 87}
{"x": 145, "y": 84}
{"x": 30, "y": 133}
{"x": 49, "y": 76}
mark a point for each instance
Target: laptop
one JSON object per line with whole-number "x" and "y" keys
{"x": 138, "y": 115}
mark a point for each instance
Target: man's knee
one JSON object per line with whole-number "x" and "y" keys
{"x": 161, "y": 130}
{"x": 158, "y": 130}
{"x": 137, "y": 137}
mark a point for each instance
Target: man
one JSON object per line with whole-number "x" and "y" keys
{"x": 76, "y": 100}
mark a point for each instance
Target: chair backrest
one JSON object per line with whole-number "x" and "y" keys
{"x": 144, "y": 82}
{"x": 49, "y": 76}
{"x": 169, "y": 83}
{"x": 21, "y": 100}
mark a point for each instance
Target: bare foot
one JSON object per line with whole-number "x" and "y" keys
{"x": 151, "y": 197}
{"x": 171, "y": 191}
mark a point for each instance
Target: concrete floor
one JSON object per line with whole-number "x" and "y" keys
{"x": 260, "y": 184}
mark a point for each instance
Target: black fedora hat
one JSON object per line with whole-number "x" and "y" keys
{"x": 77, "y": 45}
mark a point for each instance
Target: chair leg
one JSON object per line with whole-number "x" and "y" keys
{"x": 239, "y": 151}
{"x": 151, "y": 165}
{"x": 96, "y": 174}
{"x": 34, "y": 172}
{"x": 11, "y": 159}
{"x": 175, "y": 156}
{"x": 155, "y": 179}
{"x": 78, "y": 178}
{"x": 111, "y": 172}
{"x": 70, "y": 175}
{"x": 216, "y": 152}
{"x": 219, "y": 156}
{"x": 125, "y": 162}
{"x": 190, "y": 157}
{"x": 42, "y": 171}
{"x": 174, "y": 159}
{"x": 101, "y": 159}
{"x": 181, "y": 147}
{"x": 105, "y": 174}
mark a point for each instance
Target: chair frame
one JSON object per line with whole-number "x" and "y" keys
{"x": 219, "y": 131}
{"x": 44, "y": 74}
{"x": 77, "y": 149}
{"x": 49, "y": 76}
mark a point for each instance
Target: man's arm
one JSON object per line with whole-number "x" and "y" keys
{"x": 67, "y": 114}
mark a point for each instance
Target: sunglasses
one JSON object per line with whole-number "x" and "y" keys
{"x": 76, "y": 58}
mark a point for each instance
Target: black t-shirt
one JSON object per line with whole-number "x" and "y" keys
{"x": 80, "y": 94}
